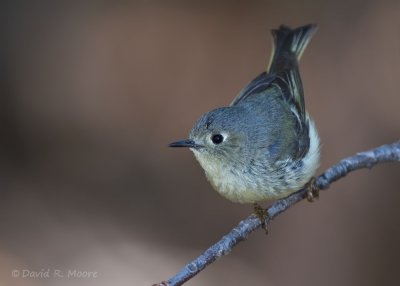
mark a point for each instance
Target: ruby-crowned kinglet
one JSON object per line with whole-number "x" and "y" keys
{"x": 263, "y": 145}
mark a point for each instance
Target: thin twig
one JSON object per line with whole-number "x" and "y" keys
{"x": 367, "y": 159}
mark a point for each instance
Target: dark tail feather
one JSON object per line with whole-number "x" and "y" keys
{"x": 289, "y": 45}
{"x": 283, "y": 71}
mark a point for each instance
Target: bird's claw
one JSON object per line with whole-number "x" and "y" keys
{"x": 312, "y": 190}
{"x": 262, "y": 215}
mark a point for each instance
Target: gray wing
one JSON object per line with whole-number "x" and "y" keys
{"x": 284, "y": 76}
{"x": 257, "y": 85}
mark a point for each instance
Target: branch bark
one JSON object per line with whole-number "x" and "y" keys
{"x": 367, "y": 159}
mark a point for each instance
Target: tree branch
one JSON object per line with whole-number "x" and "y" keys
{"x": 367, "y": 159}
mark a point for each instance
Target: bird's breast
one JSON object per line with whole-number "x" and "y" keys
{"x": 238, "y": 187}
{"x": 235, "y": 184}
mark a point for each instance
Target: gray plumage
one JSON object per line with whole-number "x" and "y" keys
{"x": 264, "y": 145}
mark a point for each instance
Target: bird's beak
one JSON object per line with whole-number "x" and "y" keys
{"x": 185, "y": 143}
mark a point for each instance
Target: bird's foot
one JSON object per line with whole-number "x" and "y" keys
{"x": 262, "y": 215}
{"x": 312, "y": 190}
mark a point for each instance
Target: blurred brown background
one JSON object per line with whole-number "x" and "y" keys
{"x": 92, "y": 92}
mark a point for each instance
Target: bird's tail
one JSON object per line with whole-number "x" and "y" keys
{"x": 289, "y": 45}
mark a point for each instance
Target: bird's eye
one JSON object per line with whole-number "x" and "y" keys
{"x": 217, "y": 139}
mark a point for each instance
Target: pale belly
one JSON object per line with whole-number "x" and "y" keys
{"x": 244, "y": 189}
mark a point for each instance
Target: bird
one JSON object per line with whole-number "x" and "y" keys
{"x": 264, "y": 145}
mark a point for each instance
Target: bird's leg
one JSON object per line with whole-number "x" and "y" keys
{"x": 312, "y": 190}
{"x": 262, "y": 215}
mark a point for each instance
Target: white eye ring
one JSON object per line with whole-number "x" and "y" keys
{"x": 218, "y": 138}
